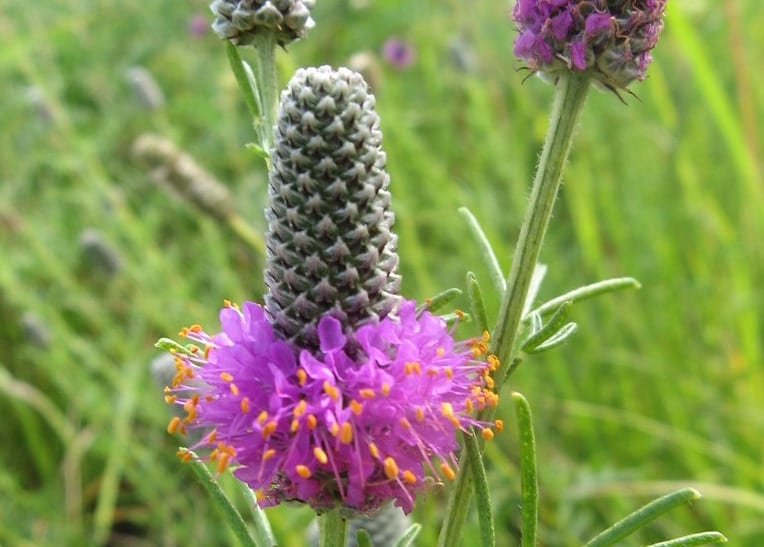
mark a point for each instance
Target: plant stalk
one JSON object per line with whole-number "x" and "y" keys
{"x": 570, "y": 96}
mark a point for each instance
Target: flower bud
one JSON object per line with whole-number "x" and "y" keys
{"x": 242, "y": 20}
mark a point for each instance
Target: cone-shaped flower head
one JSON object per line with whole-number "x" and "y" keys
{"x": 338, "y": 392}
{"x": 242, "y": 20}
{"x": 611, "y": 39}
{"x": 327, "y": 428}
{"x": 330, "y": 248}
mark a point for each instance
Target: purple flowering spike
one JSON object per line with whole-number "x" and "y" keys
{"x": 611, "y": 39}
{"x": 334, "y": 430}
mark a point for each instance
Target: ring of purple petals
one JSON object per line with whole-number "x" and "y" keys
{"x": 324, "y": 428}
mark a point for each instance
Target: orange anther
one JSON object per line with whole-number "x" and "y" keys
{"x": 390, "y": 467}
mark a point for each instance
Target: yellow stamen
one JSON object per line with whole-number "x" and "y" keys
{"x": 409, "y": 477}
{"x": 312, "y": 422}
{"x": 449, "y": 372}
{"x": 468, "y": 406}
{"x": 268, "y": 454}
{"x": 405, "y": 423}
{"x": 234, "y": 389}
{"x": 499, "y": 425}
{"x": 367, "y": 393}
{"x": 346, "y": 433}
{"x": 244, "y": 405}
{"x": 303, "y": 471}
{"x": 211, "y": 436}
{"x": 373, "y": 450}
{"x": 447, "y": 471}
{"x": 440, "y": 352}
{"x": 184, "y": 454}
{"x": 269, "y": 428}
{"x": 356, "y": 407}
{"x": 169, "y": 399}
{"x": 334, "y": 429}
{"x": 385, "y": 388}
{"x": 294, "y": 426}
{"x": 302, "y": 376}
{"x": 226, "y": 376}
{"x": 331, "y": 391}
{"x": 262, "y": 417}
{"x": 223, "y": 462}
{"x": 320, "y": 454}
{"x": 390, "y": 467}
{"x": 299, "y": 409}
{"x": 487, "y": 433}
{"x": 419, "y": 414}
{"x": 174, "y": 425}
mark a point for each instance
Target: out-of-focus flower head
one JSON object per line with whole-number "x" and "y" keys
{"x": 241, "y": 21}
{"x": 398, "y": 53}
{"x": 611, "y": 39}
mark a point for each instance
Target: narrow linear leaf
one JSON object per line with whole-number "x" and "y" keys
{"x": 258, "y": 150}
{"x": 643, "y": 516}
{"x": 559, "y": 338}
{"x": 451, "y": 318}
{"x": 244, "y": 78}
{"x": 263, "y": 533}
{"x": 409, "y": 536}
{"x": 497, "y": 277}
{"x": 528, "y": 472}
{"x": 700, "y": 538}
{"x": 168, "y": 344}
{"x": 221, "y": 501}
{"x": 585, "y": 292}
{"x": 547, "y": 331}
{"x": 476, "y": 302}
{"x": 539, "y": 273}
{"x": 441, "y": 299}
{"x": 482, "y": 497}
{"x": 363, "y": 539}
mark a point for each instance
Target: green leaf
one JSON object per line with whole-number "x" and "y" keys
{"x": 482, "y": 497}
{"x": 476, "y": 302}
{"x": 559, "y": 338}
{"x": 585, "y": 292}
{"x": 245, "y": 79}
{"x": 642, "y": 517}
{"x": 528, "y": 472}
{"x": 486, "y": 251}
{"x": 540, "y": 335}
{"x": 219, "y": 499}
{"x": 700, "y": 538}
{"x": 409, "y": 536}
{"x": 263, "y": 533}
{"x": 363, "y": 539}
{"x": 259, "y": 151}
{"x": 168, "y": 344}
{"x": 441, "y": 299}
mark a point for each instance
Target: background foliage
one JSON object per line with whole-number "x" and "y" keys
{"x": 659, "y": 388}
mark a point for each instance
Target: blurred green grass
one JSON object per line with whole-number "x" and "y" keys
{"x": 659, "y": 388}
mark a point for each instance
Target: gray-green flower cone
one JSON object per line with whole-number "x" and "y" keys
{"x": 330, "y": 248}
{"x": 241, "y": 21}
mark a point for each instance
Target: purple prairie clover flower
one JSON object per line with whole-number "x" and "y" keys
{"x": 611, "y": 39}
{"x": 398, "y": 53}
{"x": 326, "y": 428}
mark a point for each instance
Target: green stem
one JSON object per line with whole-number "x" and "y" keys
{"x": 569, "y": 101}
{"x": 332, "y": 528}
{"x": 570, "y": 96}
{"x": 267, "y": 87}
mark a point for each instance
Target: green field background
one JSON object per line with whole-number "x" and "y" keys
{"x": 660, "y": 388}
